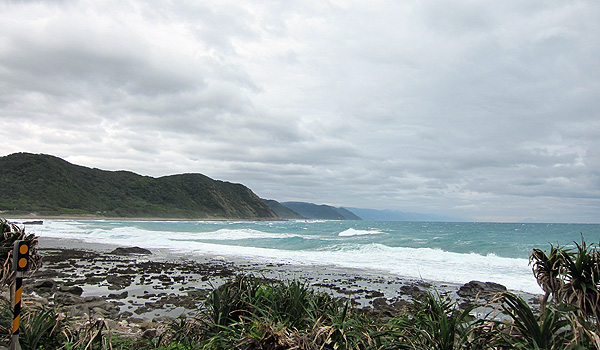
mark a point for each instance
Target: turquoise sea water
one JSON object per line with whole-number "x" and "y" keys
{"x": 450, "y": 252}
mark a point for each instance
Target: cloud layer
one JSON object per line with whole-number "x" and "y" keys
{"x": 486, "y": 111}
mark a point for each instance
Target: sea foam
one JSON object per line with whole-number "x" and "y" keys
{"x": 354, "y": 232}
{"x": 413, "y": 262}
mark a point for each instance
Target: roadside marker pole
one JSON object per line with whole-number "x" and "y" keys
{"x": 20, "y": 264}
{"x": 14, "y": 344}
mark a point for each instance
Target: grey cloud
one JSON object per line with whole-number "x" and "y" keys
{"x": 482, "y": 110}
{"x": 81, "y": 70}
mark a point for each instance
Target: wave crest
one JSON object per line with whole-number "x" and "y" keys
{"x": 354, "y": 232}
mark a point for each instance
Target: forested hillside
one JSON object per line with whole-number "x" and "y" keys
{"x": 47, "y": 185}
{"x": 320, "y": 212}
{"x": 282, "y": 211}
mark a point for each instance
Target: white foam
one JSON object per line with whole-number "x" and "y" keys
{"x": 439, "y": 265}
{"x": 235, "y": 234}
{"x": 354, "y": 232}
{"x": 419, "y": 263}
{"x": 116, "y": 234}
{"x": 426, "y": 263}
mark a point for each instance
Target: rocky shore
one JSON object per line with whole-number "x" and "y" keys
{"x": 135, "y": 289}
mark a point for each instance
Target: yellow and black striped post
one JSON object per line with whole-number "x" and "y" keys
{"x": 14, "y": 344}
{"x": 20, "y": 264}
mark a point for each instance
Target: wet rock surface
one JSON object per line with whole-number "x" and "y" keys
{"x": 477, "y": 289}
{"x": 128, "y": 288}
{"x": 117, "y": 286}
{"x": 131, "y": 251}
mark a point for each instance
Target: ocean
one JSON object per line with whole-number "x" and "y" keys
{"x": 455, "y": 252}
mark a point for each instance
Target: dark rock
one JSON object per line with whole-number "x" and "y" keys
{"x": 162, "y": 319}
{"x": 135, "y": 320}
{"x": 122, "y": 295}
{"x": 92, "y": 279}
{"x": 424, "y": 284}
{"x": 127, "y": 271}
{"x": 400, "y": 304}
{"x": 476, "y": 289}
{"x": 465, "y": 304}
{"x": 382, "y": 309}
{"x": 380, "y": 303}
{"x": 118, "y": 281}
{"x": 495, "y": 287}
{"x": 141, "y": 310}
{"x": 413, "y": 291}
{"x": 131, "y": 250}
{"x": 33, "y": 222}
{"x": 75, "y": 290}
{"x": 106, "y": 310}
{"x": 78, "y": 310}
{"x": 44, "y": 273}
{"x": 150, "y": 333}
{"x": 93, "y": 299}
{"x": 374, "y": 294}
{"x": 195, "y": 293}
{"x": 164, "y": 278}
{"x": 67, "y": 299}
{"x": 63, "y": 266}
{"x": 46, "y": 286}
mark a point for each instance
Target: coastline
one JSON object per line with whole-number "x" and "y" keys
{"x": 165, "y": 284}
{"x": 35, "y": 217}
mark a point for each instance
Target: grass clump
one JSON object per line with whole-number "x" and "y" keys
{"x": 551, "y": 330}
{"x": 432, "y": 323}
{"x": 253, "y": 313}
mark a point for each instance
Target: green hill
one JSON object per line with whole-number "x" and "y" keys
{"x": 47, "y": 185}
{"x": 282, "y": 211}
{"x": 320, "y": 212}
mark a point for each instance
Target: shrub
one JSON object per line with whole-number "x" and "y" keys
{"x": 431, "y": 323}
{"x": 9, "y": 233}
{"x": 570, "y": 276}
{"x": 551, "y": 330}
{"x": 252, "y": 313}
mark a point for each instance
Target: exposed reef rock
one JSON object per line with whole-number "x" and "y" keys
{"x": 131, "y": 250}
{"x": 477, "y": 289}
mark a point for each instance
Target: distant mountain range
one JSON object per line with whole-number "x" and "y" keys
{"x": 320, "y": 212}
{"x": 303, "y": 210}
{"x": 47, "y": 185}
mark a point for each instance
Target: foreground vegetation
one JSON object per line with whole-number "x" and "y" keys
{"x": 253, "y": 313}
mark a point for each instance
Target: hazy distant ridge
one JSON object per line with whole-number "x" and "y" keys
{"x": 396, "y": 215}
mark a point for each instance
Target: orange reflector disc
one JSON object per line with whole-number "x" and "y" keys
{"x": 22, "y": 262}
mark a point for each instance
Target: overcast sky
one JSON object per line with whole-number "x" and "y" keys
{"x": 488, "y": 110}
